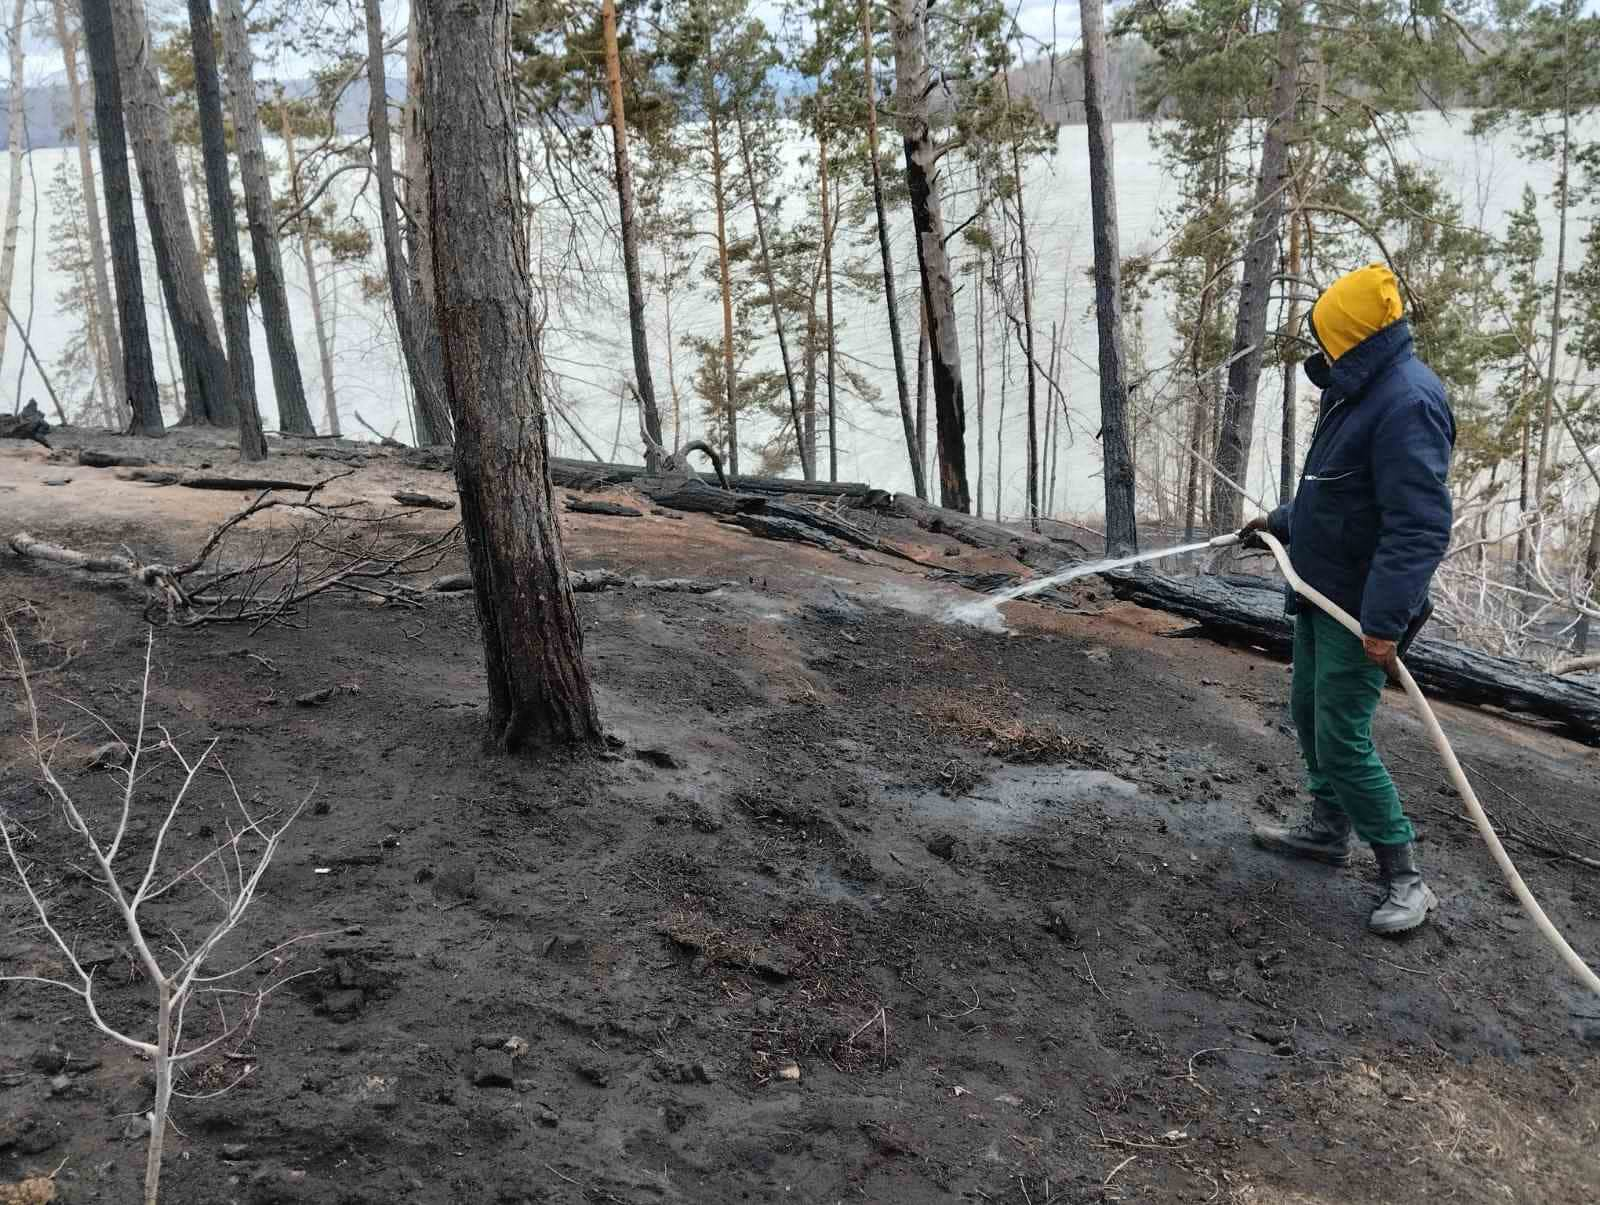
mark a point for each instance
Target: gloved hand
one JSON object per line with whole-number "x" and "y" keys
{"x": 1248, "y": 534}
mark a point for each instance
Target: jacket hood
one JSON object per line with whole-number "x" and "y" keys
{"x": 1354, "y": 308}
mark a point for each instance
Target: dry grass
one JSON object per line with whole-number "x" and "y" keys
{"x": 990, "y": 721}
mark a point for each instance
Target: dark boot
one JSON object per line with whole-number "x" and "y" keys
{"x": 1408, "y": 900}
{"x": 1324, "y": 836}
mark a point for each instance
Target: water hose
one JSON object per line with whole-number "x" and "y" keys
{"x": 1458, "y": 776}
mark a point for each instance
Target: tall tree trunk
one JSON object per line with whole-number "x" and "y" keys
{"x": 630, "y": 237}
{"x": 1557, "y": 299}
{"x": 1025, "y": 274}
{"x": 1591, "y": 566}
{"x": 208, "y": 397}
{"x": 539, "y": 690}
{"x": 827, "y": 284}
{"x": 414, "y": 185}
{"x": 725, "y": 281}
{"x": 225, "y": 230}
{"x": 978, "y": 354}
{"x": 106, "y": 338}
{"x": 1122, "y": 528}
{"x": 1525, "y": 517}
{"x": 938, "y": 292}
{"x": 1291, "y": 397}
{"x": 294, "y": 414}
{"x": 922, "y": 386}
{"x": 1052, "y": 425}
{"x": 14, "y": 151}
{"x": 808, "y": 468}
{"x": 138, "y": 365}
{"x": 891, "y": 302}
{"x": 319, "y": 325}
{"x": 1260, "y": 253}
{"x": 672, "y": 372}
{"x": 1000, "y": 421}
{"x": 419, "y": 335}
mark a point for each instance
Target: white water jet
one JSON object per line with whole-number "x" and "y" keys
{"x": 985, "y": 612}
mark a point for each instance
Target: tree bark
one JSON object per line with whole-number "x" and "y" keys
{"x": 539, "y": 691}
{"x": 1029, "y": 363}
{"x": 922, "y": 386}
{"x": 109, "y": 343}
{"x": 938, "y": 293}
{"x": 1563, "y": 206}
{"x": 1122, "y": 528}
{"x": 1591, "y": 567}
{"x": 225, "y": 231}
{"x": 643, "y": 379}
{"x": 313, "y": 281}
{"x": 138, "y": 365}
{"x": 807, "y": 467}
{"x": 294, "y": 415}
{"x": 827, "y": 284}
{"x": 978, "y": 353}
{"x": 724, "y": 280}
{"x": 891, "y": 302}
{"x": 1291, "y": 397}
{"x": 1260, "y": 253}
{"x": 207, "y": 392}
{"x": 415, "y": 186}
{"x": 412, "y": 317}
{"x": 14, "y": 151}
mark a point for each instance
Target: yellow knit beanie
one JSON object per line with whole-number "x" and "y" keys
{"x": 1355, "y": 307}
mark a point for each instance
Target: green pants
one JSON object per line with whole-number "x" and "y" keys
{"x": 1334, "y": 697}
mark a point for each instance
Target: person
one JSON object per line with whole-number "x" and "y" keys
{"x": 1368, "y": 527}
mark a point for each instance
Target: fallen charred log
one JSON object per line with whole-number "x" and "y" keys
{"x": 1035, "y": 551}
{"x": 597, "y": 506}
{"x": 1250, "y": 610}
{"x": 27, "y": 423}
{"x": 589, "y": 474}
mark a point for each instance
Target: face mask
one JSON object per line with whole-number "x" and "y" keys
{"x": 1318, "y": 372}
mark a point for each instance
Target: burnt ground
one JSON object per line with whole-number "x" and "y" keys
{"x": 989, "y": 894}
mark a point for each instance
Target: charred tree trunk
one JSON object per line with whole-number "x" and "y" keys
{"x": 208, "y": 397}
{"x": 938, "y": 293}
{"x": 827, "y": 285}
{"x": 14, "y": 152}
{"x": 630, "y": 236}
{"x": 807, "y": 466}
{"x": 110, "y": 344}
{"x": 725, "y": 283}
{"x": 1025, "y": 338}
{"x": 539, "y": 690}
{"x": 1591, "y": 567}
{"x": 225, "y": 230}
{"x": 319, "y": 325}
{"x": 138, "y": 364}
{"x": 891, "y": 301}
{"x": 1291, "y": 397}
{"x": 1122, "y": 529}
{"x": 294, "y": 415}
{"x": 416, "y": 324}
{"x": 1260, "y": 254}
{"x": 922, "y": 386}
{"x": 978, "y": 352}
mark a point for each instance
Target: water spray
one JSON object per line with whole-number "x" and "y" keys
{"x": 978, "y": 611}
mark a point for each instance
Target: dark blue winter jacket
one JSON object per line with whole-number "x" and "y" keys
{"x": 1371, "y": 520}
